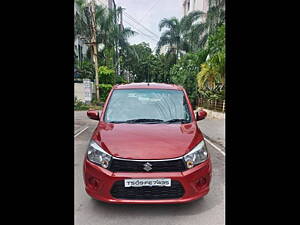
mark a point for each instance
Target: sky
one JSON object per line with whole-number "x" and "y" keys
{"x": 148, "y": 13}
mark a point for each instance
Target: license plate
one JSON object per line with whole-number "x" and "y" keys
{"x": 148, "y": 182}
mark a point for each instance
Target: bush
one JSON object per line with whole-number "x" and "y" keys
{"x": 216, "y": 93}
{"x": 106, "y": 75}
{"x": 79, "y": 105}
{"x": 104, "y": 91}
{"x": 121, "y": 80}
{"x": 185, "y": 71}
{"x": 85, "y": 69}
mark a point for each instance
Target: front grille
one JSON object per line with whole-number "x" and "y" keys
{"x": 138, "y": 166}
{"x": 147, "y": 193}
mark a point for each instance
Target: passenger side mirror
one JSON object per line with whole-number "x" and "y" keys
{"x": 93, "y": 114}
{"x": 201, "y": 115}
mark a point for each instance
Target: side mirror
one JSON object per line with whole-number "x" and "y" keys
{"x": 93, "y": 114}
{"x": 201, "y": 115}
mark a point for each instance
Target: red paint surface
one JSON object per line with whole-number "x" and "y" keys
{"x": 147, "y": 141}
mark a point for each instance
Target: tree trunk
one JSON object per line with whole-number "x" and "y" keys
{"x": 95, "y": 56}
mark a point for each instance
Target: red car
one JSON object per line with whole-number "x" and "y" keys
{"x": 147, "y": 147}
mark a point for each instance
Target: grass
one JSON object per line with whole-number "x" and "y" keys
{"x": 81, "y": 106}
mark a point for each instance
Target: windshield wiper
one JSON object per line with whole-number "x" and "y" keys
{"x": 177, "y": 120}
{"x": 144, "y": 121}
{"x": 151, "y": 121}
{"x": 116, "y": 121}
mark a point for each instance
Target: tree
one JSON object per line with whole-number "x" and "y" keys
{"x": 215, "y": 17}
{"x": 173, "y": 36}
{"x": 192, "y": 29}
{"x": 106, "y": 75}
{"x": 108, "y": 32}
{"x": 86, "y": 70}
{"x": 137, "y": 61}
{"x": 212, "y": 72}
{"x": 185, "y": 71}
{"x": 181, "y": 36}
{"x": 80, "y": 20}
{"x": 196, "y": 56}
{"x": 166, "y": 63}
{"x": 215, "y": 14}
{"x": 112, "y": 35}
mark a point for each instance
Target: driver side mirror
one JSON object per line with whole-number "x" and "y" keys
{"x": 93, "y": 114}
{"x": 201, "y": 115}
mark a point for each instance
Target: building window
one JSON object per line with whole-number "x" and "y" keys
{"x": 188, "y": 8}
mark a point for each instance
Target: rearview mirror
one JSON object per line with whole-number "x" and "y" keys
{"x": 93, "y": 114}
{"x": 201, "y": 115}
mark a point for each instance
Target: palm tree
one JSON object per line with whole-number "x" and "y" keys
{"x": 213, "y": 70}
{"x": 207, "y": 76}
{"x": 81, "y": 32}
{"x": 190, "y": 34}
{"x": 182, "y": 35}
{"x": 111, "y": 34}
{"x": 80, "y": 20}
{"x": 171, "y": 36}
{"x": 108, "y": 31}
{"x": 215, "y": 16}
{"x": 192, "y": 28}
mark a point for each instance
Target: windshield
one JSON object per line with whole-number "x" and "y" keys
{"x": 147, "y": 106}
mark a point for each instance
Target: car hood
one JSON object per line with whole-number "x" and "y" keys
{"x": 147, "y": 141}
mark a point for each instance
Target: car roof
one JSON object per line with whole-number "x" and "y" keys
{"x": 148, "y": 86}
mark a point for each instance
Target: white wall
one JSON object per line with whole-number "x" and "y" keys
{"x": 79, "y": 91}
{"x": 164, "y": 49}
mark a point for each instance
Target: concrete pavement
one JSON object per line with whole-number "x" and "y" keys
{"x": 208, "y": 210}
{"x": 214, "y": 130}
{"x": 81, "y": 121}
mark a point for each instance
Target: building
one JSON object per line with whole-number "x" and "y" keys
{"x": 80, "y": 49}
{"x": 164, "y": 49}
{"x": 201, "y": 5}
{"x": 193, "y": 5}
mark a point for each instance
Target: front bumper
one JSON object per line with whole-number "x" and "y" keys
{"x": 99, "y": 181}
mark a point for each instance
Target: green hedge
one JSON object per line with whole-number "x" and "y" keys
{"x": 79, "y": 105}
{"x": 104, "y": 91}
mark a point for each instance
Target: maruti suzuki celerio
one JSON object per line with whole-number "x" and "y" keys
{"x": 147, "y": 147}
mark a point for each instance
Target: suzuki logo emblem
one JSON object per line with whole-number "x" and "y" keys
{"x": 147, "y": 166}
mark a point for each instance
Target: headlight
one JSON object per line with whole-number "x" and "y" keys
{"x": 97, "y": 155}
{"x": 196, "y": 156}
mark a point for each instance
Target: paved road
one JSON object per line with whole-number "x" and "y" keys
{"x": 214, "y": 129}
{"x": 206, "y": 211}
